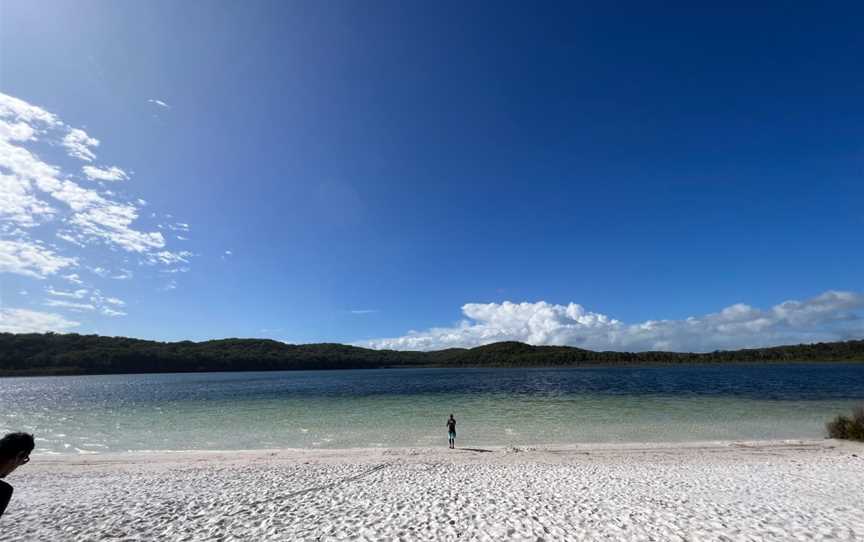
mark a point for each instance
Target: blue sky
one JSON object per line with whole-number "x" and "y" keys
{"x": 431, "y": 174}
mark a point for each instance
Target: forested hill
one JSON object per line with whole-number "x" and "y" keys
{"x": 51, "y": 354}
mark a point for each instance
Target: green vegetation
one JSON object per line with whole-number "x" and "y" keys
{"x": 53, "y": 354}
{"x": 844, "y": 427}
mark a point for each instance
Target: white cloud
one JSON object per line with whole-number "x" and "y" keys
{"x": 122, "y": 274}
{"x": 111, "y": 223}
{"x": 112, "y": 173}
{"x": 363, "y": 311}
{"x": 108, "y": 311}
{"x": 94, "y": 217}
{"x": 73, "y": 301}
{"x": 11, "y": 107}
{"x": 76, "y": 197}
{"x": 173, "y": 270}
{"x": 41, "y": 201}
{"x": 160, "y": 103}
{"x": 18, "y": 205}
{"x": 71, "y": 305}
{"x": 78, "y": 144}
{"x": 73, "y": 278}
{"x": 77, "y": 294}
{"x": 170, "y": 258}
{"x": 108, "y": 306}
{"x": 831, "y": 316}
{"x": 17, "y": 131}
{"x": 30, "y": 259}
{"x": 71, "y": 237}
{"x": 28, "y": 321}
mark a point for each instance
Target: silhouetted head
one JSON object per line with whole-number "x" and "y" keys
{"x": 451, "y": 416}
{"x": 15, "y": 451}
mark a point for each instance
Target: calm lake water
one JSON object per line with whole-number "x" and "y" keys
{"x": 408, "y": 407}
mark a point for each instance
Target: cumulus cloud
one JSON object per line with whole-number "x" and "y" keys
{"x": 28, "y": 321}
{"x": 112, "y": 173}
{"x": 831, "y": 316}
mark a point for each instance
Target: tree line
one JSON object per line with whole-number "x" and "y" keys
{"x": 29, "y": 354}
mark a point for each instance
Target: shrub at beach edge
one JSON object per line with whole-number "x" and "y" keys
{"x": 844, "y": 427}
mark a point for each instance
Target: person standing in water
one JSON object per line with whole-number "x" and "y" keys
{"x": 451, "y": 431}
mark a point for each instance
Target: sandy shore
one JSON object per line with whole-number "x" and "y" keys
{"x": 790, "y": 490}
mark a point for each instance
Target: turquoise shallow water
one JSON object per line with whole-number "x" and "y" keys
{"x": 408, "y": 407}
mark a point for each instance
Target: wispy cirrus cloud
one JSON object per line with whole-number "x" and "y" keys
{"x": 48, "y": 217}
{"x": 110, "y": 174}
{"x": 159, "y": 103}
{"x": 831, "y": 316}
{"x": 76, "y": 294}
{"x": 73, "y": 278}
{"x": 119, "y": 274}
{"x": 72, "y": 305}
{"x": 83, "y": 300}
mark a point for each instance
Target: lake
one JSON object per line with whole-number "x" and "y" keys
{"x": 408, "y": 407}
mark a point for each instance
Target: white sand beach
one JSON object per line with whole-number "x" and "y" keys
{"x": 780, "y": 490}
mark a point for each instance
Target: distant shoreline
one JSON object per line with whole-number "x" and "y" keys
{"x": 587, "y": 365}
{"x": 71, "y": 354}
